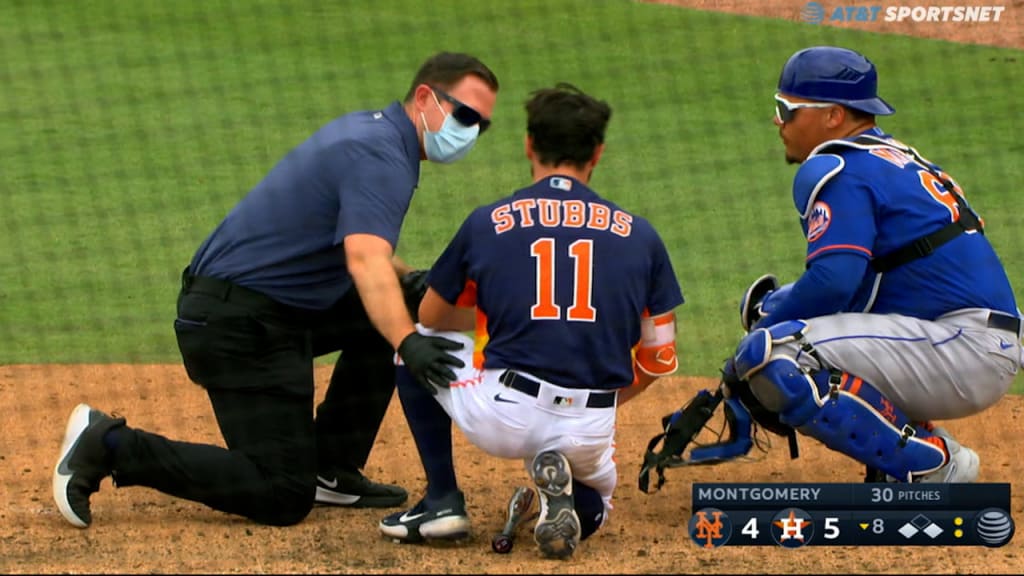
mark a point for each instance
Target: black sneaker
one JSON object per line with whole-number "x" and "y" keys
{"x": 352, "y": 489}
{"x": 445, "y": 519}
{"x": 83, "y": 463}
{"x": 558, "y": 528}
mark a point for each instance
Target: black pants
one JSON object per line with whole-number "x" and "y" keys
{"x": 254, "y": 357}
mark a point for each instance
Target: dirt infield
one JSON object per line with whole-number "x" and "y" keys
{"x": 137, "y": 530}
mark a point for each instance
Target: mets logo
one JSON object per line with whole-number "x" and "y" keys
{"x": 818, "y": 221}
{"x": 792, "y": 528}
{"x": 710, "y": 528}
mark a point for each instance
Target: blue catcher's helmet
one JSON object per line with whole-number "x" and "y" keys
{"x": 832, "y": 74}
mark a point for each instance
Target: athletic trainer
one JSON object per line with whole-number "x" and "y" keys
{"x": 303, "y": 266}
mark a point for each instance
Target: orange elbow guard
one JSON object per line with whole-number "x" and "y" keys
{"x": 656, "y": 352}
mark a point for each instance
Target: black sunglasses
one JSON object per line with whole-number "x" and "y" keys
{"x": 463, "y": 113}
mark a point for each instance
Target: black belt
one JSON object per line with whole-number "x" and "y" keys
{"x": 1001, "y": 321}
{"x": 531, "y": 387}
{"x": 248, "y": 298}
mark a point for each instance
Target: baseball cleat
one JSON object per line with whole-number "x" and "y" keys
{"x": 352, "y": 489}
{"x": 445, "y": 519}
{"x": 83, "y": 463}
{"x": 963, "y": 465}
{"x": 557, "y": 532}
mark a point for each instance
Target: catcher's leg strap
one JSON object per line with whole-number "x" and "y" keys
{"x": 737, "y": 444}
{"x": 842, "y": 411}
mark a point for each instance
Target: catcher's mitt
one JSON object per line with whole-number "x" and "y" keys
{"x": 750, "y": 304}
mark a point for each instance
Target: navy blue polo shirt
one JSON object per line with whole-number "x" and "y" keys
{"x": 356, "y": 175}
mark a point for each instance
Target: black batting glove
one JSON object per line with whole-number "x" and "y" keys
{"x": 428, "y": 361}
{"x": 414, "y": 288}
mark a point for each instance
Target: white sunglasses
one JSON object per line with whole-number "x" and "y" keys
{"x": 785, "y": 110}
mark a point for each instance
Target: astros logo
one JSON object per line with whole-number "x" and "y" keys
{"x": 792, "y": 528}
{"x": 710, "y": 528}
{"x": 817, "y": 223}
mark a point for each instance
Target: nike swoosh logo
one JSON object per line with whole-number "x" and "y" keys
{"x": 406, "y": 517}
{"x": 498, "y": 398}
{"x": 79, "y": 425}
{"x": 1004, "y": 345}
{"x": 332, "y": 484}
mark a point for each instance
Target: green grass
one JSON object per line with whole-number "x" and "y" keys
{"x": 129, "y": 129}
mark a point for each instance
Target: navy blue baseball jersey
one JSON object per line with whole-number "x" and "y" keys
{"x": 561, "y": 278}
{"x": 882, "y": 199}
{"x": 356, "y": 175}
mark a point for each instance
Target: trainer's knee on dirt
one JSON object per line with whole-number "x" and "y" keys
{"x": 589, "y": 508}
{"x": 287, "y": 502}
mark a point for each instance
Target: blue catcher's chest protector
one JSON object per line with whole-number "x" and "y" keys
{"x": 842, "y": 411}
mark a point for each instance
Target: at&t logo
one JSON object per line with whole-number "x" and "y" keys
{"x": 816, "y": 13}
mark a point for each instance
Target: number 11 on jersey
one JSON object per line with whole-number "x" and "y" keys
{"x": 582, "y": 308}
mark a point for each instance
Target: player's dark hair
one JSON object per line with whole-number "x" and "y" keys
{"x": 566, "y": 124}
{"x": 445, "y": 69}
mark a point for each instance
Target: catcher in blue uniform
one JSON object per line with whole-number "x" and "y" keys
{"x": 904, "y": 313}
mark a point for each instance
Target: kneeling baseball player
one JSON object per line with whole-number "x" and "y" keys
{"x": 572, "y": 299}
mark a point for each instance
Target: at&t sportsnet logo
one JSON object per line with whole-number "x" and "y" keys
{"x": 817, "y": 13}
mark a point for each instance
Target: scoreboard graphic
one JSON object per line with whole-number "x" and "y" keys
{"x": 794, "y": 515}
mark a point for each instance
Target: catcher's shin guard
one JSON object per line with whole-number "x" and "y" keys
{"x": 842, "y": 411}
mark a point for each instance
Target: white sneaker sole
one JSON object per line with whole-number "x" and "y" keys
{"x": 325, "y": 496}
{"x": 445, "y": 528}
{"x": 77, "y": 424}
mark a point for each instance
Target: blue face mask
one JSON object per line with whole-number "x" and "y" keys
{"x": 453, "y": 141}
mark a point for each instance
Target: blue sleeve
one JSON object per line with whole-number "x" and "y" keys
{"x": 665, "y": 293}
{"x": 826, "y": 287}
{"x": 374, "y": 193}
{"x": 841, "y": 219}
{"x": 449, "y": 273}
